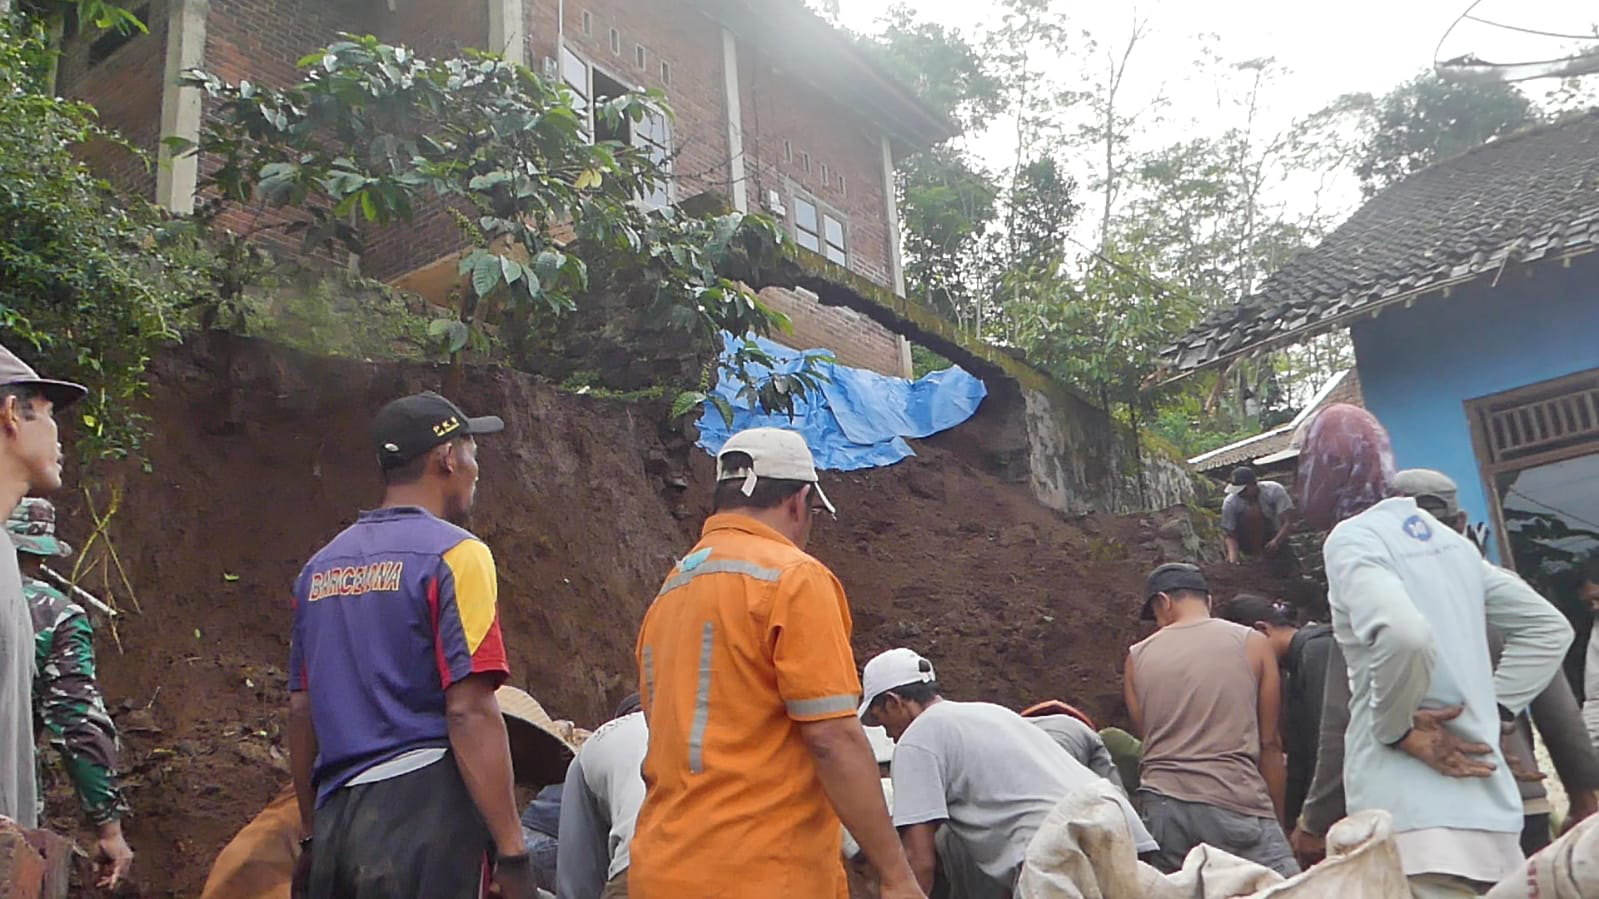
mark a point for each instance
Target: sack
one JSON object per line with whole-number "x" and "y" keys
{"x": 1084, "y": 850}
{"x": 1568, "y": 868}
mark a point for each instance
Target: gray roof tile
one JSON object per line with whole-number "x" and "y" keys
{"x": 1523, "y": 198}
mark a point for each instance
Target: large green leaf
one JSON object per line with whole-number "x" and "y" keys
{"x": 486, "y": 274}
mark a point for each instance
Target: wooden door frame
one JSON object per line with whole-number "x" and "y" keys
{"x": 1488, "y": 471}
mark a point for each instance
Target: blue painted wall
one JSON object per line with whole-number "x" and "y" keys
{"x": 1418, "y": 366}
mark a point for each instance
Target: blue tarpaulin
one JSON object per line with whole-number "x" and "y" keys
{"x": 860, "y": 418}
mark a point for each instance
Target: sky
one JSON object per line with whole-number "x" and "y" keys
{"x": 1329, "y": 49}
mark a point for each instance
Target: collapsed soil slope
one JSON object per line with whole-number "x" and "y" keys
{"x": 260, "y": 455}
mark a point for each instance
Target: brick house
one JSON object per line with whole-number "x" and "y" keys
{"x": 774, "y": 110}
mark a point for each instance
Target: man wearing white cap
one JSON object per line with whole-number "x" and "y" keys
{"x": 986, "y": 772}
{"x": 30, "y": 464}
{"x": 749, "y": 690}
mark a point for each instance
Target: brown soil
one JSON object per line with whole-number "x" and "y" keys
{"x": 260, "y": 455}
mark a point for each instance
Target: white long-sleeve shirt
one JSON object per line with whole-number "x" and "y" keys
{"x": 1590, "y": 706}
{"x": 1411, "y": 600}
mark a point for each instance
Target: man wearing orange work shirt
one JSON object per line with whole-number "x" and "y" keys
{"x": 749, "y": 687}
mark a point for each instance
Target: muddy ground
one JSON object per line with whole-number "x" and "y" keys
{"x": 260, "y": 455}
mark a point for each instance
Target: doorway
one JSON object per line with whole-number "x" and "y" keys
{"x": 1539, "y": 451}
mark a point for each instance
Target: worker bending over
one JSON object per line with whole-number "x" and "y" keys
{"x": 980, "y": 771}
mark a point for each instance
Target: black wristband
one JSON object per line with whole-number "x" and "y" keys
{"x": 519, "y": 860}
{"x": 1402, "y": 737}
{"x": 305, "y": 843}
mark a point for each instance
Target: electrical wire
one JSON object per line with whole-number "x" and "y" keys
{"x": 1451, "y": 30}
{"x": 1558, "y": 511}
{"x": 1508, "y": 27}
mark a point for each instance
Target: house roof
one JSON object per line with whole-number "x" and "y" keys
{"x": 1521, "y": 199}
{"x": 1276, "y": 445}
{"x": 799, "y": 41}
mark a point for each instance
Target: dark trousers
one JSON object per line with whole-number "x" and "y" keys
{"x": 1535, "y": 835}
{"x": 416, "y": 836}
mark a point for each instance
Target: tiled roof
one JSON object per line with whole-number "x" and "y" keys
{"x": 1520, "y": 199}
{"x": 1343, "y": 387}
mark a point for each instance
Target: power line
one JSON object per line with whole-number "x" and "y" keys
{"x": 1558, "y": 511}
{"x": 1508, "y": 27}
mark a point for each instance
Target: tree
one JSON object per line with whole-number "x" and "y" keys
{"x": 91, "y": 282}
{"x": 539, "y": 188}
{"x": 947, "y": 205}
{"x": 945, "y": 70}
{"x": 1429, "y": 118}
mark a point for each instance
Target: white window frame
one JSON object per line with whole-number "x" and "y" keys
{"x": 640, "y": 135}
{"x": 819, "y": 239}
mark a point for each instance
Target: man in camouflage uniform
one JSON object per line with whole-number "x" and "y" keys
{"x": 66, "y": 697}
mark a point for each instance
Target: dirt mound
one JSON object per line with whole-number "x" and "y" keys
{"x": 260, "y": 455}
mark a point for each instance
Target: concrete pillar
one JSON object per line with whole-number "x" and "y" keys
{"x": 506, "y": 30}
{"x": 896, "y": 261}
{"x": 181, "y": 106}
{"x": 896, "y": 264}
{"x": 735, "y": 122}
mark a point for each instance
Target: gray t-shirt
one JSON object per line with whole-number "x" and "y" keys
{"x": 18, "y": 791}
{"x": 1274, "y": 503}
{"x": 1082, "y": 743}
{"x": 992, "y": 777}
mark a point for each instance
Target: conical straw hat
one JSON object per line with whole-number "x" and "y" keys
{"x": 540, "y": 749}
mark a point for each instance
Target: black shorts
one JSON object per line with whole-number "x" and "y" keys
{"x": 416, "y": 836}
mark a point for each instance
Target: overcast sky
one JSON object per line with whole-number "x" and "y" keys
{"x": 1330, "y": 49}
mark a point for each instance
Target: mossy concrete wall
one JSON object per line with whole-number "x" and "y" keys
{"x": 1031, "y": 429}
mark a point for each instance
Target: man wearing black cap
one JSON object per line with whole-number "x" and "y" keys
{"x": 1204, "y": 694}
{"x": 30, "y": 465}
{"x": 1256, "y": 516}
{"x": 401, "y": 763}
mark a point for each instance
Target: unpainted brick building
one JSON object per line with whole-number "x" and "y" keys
{"x": 774, "y": 110}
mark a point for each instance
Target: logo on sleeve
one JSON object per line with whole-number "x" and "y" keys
{"x": 694, "y": 560}
{"x": 1417, "y": 528}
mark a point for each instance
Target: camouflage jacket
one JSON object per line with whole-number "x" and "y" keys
{"x": 67, "y": 701}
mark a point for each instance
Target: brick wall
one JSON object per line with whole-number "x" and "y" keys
{"x": 854, "y": 339}
{"x": 125, "y": 87}
{"x": 261, "y": 41}
{"x": 671, "y": 32}
{"x": 785, "y": 121}
{"x": 431, "y": 28}
{"x": 784, "y": 117}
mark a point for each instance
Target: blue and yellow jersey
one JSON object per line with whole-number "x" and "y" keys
{"x": 386, "y": 617}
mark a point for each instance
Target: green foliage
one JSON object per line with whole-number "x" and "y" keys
{"x": 947, "y": 207}
{"x": 946, "y": 71}
{"x": 1426, "y": 119}
{"x": 373, "y": 133}
{"x": 924, "y": 361}
{"x": 91, "y": 283}
{"x": 777, "y": 392}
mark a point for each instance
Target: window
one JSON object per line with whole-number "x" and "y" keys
{"x": 826, "y": 182}
{"x": 653, "y": 134}
{"x": 819, "y": 231}
{"x": 833, "y": 236}
{"x": 638, "y": 55}
{"x": 115, "y": 40}
{"x": 616, "y": 42}
{"x": 788, "y": 151}
{"x": 588, "y": 23}
{"x": 805, "y": 162}
{"x": 666, "y": 72}
{"x": 575, "y": 72}
{"x": 841, "y": 187}
{"x": 807, "y": 229}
